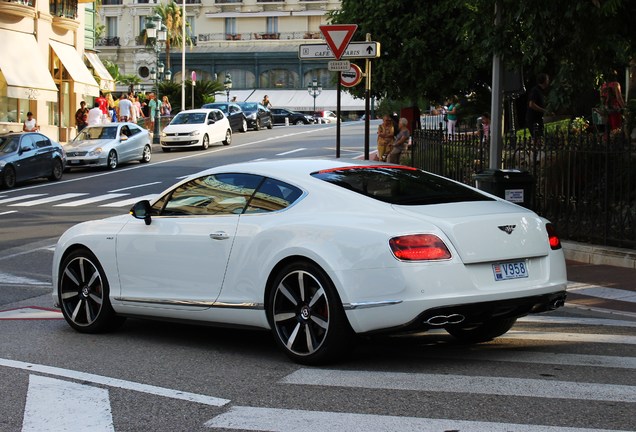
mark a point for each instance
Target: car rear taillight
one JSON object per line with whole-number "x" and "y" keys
{"x": 553, "y": 238}
{"x": 419, "y": 247}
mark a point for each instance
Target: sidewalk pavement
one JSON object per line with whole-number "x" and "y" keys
{"x": 602, "y": 278}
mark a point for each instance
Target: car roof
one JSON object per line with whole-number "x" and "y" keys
{"x": 198, "y": 110}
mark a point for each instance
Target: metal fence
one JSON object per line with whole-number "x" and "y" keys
{"x": 584, "y": 182}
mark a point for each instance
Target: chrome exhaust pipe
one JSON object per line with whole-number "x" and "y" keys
{"x": 560, "y": 302}
{"x": 442, "y": 320}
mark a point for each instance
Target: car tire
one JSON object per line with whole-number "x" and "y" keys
{"x": 146, "y": 155}
{"x": 8, "y": 177}
{"x": 299, "y": 122}
{"x": 206, "y": 142}
{"x": 83, "y": 293}
{"x": 228, "y": 137}
{"x": 482, "y": 332}
{"x": 257, "y": 124}
{"x": 243, "y": 126}
{"x": 57, "y": 171}
{"x": 270, "y": 125}
{"x": 112, "y": 161}
{"x": 306, "y": 315}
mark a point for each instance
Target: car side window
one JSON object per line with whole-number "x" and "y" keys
{"x": 41, "y": 141}
{"x": 27, "y": 143}
{"x": 218, "y": 115}
{"x": 216, "y": 194}
{"x": 134, "y": 130}
{"x": 273, "y": 195}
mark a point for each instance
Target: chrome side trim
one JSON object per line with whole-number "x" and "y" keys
{"x": 193, "y": 303}
{"x": 370, "y": 304}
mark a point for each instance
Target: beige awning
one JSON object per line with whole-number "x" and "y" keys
{"x": 85, "y": 84}
{"x": 107, "y": 83}
{"x": 27, "y": 77}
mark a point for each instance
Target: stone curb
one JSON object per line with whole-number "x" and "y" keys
{"x": 594, "y": 254}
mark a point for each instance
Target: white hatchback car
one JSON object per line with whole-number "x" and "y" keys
{"x": 196, "y": 128}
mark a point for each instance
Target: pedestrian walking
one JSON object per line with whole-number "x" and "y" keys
{"x": 612, "y": 100}
{"x": 95, "y": 114}
{"x": 124, "y": 108}
{"x": 537, "y": 106}
{"x": 400, "y": 143}
{"x": 385, "y": 137}
{"x": 30, "y": 124}
{"x": 81, "y": 117}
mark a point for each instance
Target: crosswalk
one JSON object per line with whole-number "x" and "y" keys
{"x": 60, "y": 390}
{"x": 71, "y": 199}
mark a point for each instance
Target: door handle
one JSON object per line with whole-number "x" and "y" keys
{"x": 219, "y": 235}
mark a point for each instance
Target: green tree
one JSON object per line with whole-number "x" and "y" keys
{"x": 435, "y": 49}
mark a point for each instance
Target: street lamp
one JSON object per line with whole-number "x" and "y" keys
{"x": 156, "y": 31}
{"x": 314, "y": 90}
{"x": 228, "y": 85}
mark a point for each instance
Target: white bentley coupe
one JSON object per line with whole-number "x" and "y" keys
{"x": 317, "y": 251}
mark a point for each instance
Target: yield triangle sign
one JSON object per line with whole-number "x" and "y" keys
{"x": 338, "y": 37}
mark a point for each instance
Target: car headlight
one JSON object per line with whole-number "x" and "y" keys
{"x": 163, "y": 134}
{"x": 252, "y": 116}
{"x": 195, "y": 133}
{"x": 96, "y": 152}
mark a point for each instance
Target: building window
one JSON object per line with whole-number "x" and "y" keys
{"x": 272, "y": 25}
{"x": 111, "y": 27}
{"x": 230, "y": 26}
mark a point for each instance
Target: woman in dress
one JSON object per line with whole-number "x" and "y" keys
{"x": 165, "y": 106}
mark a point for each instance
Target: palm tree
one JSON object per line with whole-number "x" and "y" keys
{"x": 171, "y": 17}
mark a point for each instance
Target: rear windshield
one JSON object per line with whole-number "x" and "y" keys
{"x": 399, "y": 185}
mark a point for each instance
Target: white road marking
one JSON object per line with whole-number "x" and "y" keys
{"x": 48, "y": 200}
{"x": 114, "y": 382}
{"x": 19, "y": 198}
{"x": 570, "y": 337}
{"x": 30, "y": 313}
{"x": 291, "y": 151}
{"x": 289, "y": 420}
{"x": 131, "y": 201}
{"x": 8, "y": 212}
{"x": 524, "y": 387}
{"x": 603, "y": 292}
{"x": 6, "y": 278}
{"x": 135, "y": 187}
{"x": 56, "y": 405}
{"x": 91, "y": 200}
{"x": 549, "y": 319}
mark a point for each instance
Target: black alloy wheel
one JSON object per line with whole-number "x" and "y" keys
{"x": 57, "y": 170}
{"x": 306, "y": 314}
{"x": 8, "y": 177}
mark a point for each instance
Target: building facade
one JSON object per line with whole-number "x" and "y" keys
{"x": 46, "y": 66}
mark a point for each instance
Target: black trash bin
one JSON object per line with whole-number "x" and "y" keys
{"x": 512, "y": 185}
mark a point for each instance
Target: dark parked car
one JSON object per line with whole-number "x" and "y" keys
{"x": 233, "y": 112}
{"x": 257, "y": 115}
{"x": 25, "y": 156}
{"x": 280, "y": 114}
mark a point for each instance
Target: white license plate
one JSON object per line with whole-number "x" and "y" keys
{"x": 510, "y": 270}
{"x": 75, "y": 162}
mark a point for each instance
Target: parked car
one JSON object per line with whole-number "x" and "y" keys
{"x": 296, "y": 246}
{"x": 325, "y": 116}
{"x": 108, "y": 145}
{"x": 257, "y": 115}
{"x": 234, "y": 114}
{"x": 30, "y": 155}
{"x": 196, "y": 128}
{"x": 280, "y": 114}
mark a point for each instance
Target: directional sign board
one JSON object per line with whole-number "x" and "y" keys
{"x": 339, "y": 65}
{"x": 351, "y": 77}
{"x": 355, "y": 50}
{"x": 338, "y": 37}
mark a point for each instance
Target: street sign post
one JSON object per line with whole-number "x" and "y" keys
{"x": 338, "y": 37}
{"x": 355, "y": 50}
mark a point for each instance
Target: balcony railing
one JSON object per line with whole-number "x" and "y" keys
{"x": 21, "y": 2}
{"x": 258, "y": 36}
{"x": 63, "y": 8}
{"x": 112, "y": 2}
{"x": 227, "y": 1}
{"x": 108, "y": 41}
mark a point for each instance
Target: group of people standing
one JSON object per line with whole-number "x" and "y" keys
{"x": 393, "y": 138}
{"x": 128, "y": 108}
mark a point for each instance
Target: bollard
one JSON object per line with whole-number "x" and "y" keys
{"x": 286, "y": 121}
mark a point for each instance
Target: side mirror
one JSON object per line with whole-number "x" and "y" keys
{"x": 123, "y": 137}
{"x": 141, "y": 210}
{"x": 211, "y": 121}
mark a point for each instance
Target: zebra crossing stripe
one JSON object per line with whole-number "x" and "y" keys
{"x": 290, "y": 420}
{"x": 56, "y": 405}
{"x": 19, "y": 198}
{"x": 525, "y": 387}
{"x": 570, "y": 337}
{"x": 48, "y": 200}
{"x": 91, "y": 200}
{"x": 131, "y": 201}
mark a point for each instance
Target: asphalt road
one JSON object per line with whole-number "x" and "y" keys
{"x": 567, "y": 371}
